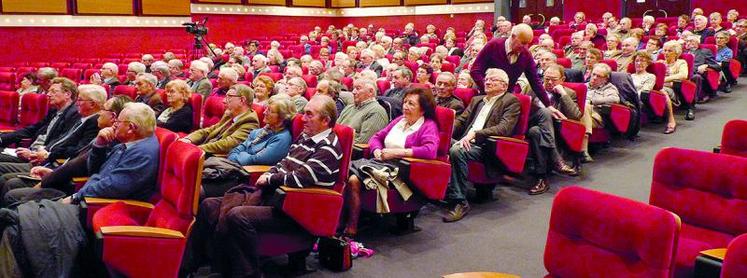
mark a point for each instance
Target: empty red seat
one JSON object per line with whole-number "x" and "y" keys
{"x": 454, "y": 59}
{"x": 213, "y": 110}
{"x": 7, "y": 81}
{"x": 126, "y": 91}
{"x": 707, "y": 191}
{"x": 73, "y": 74}
{"x": 735, "y": 261}
{"x": 59, "y": 65}
{"x": 82, "y": 66}
{"x": 38, "y": 64}
{"x": 310, "y": 80}
{"x": 448, "y": 67}
{"x": 348, "y": 83}
{"x": 465, "y": 94}
{"x": 7, "y": 69}
{"x": 8, "y": 109}
{"x": 33, "y": 109}
{"x": 733, "y": 138}
{"x": 595, "y": 234}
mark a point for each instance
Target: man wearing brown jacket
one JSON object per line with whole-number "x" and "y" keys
{"x": 494, "y": 114}
{"x": 234, "y": 126}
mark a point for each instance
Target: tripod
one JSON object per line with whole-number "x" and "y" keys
{"x": 198, "y": 50}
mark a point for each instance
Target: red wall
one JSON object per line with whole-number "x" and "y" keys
{"x": 223, "y": 28}
{"x": 721, "y": 6}
{"x": 462, "y": 22}
{"x": 55, "y": 44}
{"x": 592, "y": 9}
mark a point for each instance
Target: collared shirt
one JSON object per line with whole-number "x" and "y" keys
{"x": 397, "y": 136}
{"x": 321, "y": 135}
{"x": 132, "y": 143}
{"x": 482, "y": 116}
{"x": 512, "y": 57}
{"x": 39, "y": 142}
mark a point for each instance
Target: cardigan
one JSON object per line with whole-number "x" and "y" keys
{"x": 177, "y": 121}
{"x": 262, "y": 147}
{"x": 423, "y": 142}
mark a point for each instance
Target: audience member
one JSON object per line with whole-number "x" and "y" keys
{"x": 263, "y": 89}
{"x": 198, "y": 80}
{"x": 29, "y": 84}
{"x": 146, "y": 92}
{"x": 365, "y": 115}
{"x": 444, "y": 90}
{"x": 178, "y": 117}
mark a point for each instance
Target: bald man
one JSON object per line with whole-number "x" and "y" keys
{"x": 510, "y": 55}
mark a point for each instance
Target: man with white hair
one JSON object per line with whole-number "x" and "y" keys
{"x": 146, "y": 92}
{"x": 198, "y": 80}
{"x": 629, "y": 47}
{"x": 161, "y": 70}
{"x": 90, "y": 101}
{"x": 259, "y": 65}
{"x": 44, "y": 76}
{"x": 368, "y": 62}
{"x": 108, "y": 76}
{"x": 386, "y": 43}
{"x": 703, "y": 59}
{"x": 624, "y": 28}
{"x": 365, "y": 115}
{"x": 493, "y": 114}
{"x": 130, "y": 168}
{"x": 511, "y": 55}
{"x": 700, "y": 28}
{"x": 133, "y": 69}
{"x": 147, "y": 60}
{"x": 227, "y": 77}
{"x": 576, "y": 39}
{"x": 175, "y": 69}
{"x": 209, "y": 62}
{"x": 316, "y": 68}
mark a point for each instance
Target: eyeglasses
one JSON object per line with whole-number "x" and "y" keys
{"x": 231, "y": 96}
{"x": 83, "y": 100}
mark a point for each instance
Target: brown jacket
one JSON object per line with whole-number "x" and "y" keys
{"x": 503, "y": 117}
{"x": 567, "y": 104}
{"x": 223, "y": 136}
{"x": 154, "y": 101}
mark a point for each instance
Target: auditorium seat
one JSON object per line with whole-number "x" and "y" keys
{"x": 7, "y": 81}
{"x": 707, "y": 191}
{"x": 8, "y": 110}
{"x": 33, "y": 109}
{"x": 82, "y": 66}
{"x": 465, "y": 94}
{"x": 7, "y": 69}
{"x": 73, "y": 74}
{"x": 131, "y": 234}
{"x": 712, "y": 76}
{"x": 212, "y": 111}
{"x": 733, "y": 138}
{"x": 572, "y": 132}
{"x": 59, "y": 66}
{"x": 125, "y": 91}
{"x": 25, "y": 70}
{"x": 565, "y": 62}
{"x": 735, "y": 261}
{"x": 348, "y": 83}
{"x": 448, "y": 67}
{"x": 310, "y": 80}
{"x": 596, "y": 234}
{"x": 274, "y": 75}
{"x": 195, "y": 101}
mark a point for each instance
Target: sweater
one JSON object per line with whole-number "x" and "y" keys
{"x": 309, "y": 163}
{"x": 423, "y": 142}
{"x": 262, "y": 147}
{"x": 366, "y": 119}
{"x": 177, "y": 121}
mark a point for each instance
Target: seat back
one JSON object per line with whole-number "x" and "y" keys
{"x": 310, "y": 80}
{"x": 196, "y": 102}
{"x": 348, "y": 83}
{"x": 260, "y": 110}
{"x": 8, "y": 107}
{"x": 565, "y": 62}
{"x": 611, "y": 63}
{"x": 33, "y": 109}
{"x": 345, "y": 135}
{"x": 580, "y": 89}
{"x": 274, "y": 75}
{"x": 445, "y": 118}
{"x": 448, "y": 67}
{"x": 687, "y": 181}
{"x": 383, "y": 86}
{"x": 733, "y": 138}
{"x": 690, "y": 60}
{"x": 611, "y": 234}
{"x": 465, "y": 94}
{"x": 7, "y": 81}
{"x": 297, "y": 126}
{"x": 72, "y": 74}
{"x": 213, "y": 111}
{"x": 126, "y": 91}
{"x": 180, "y": 183}
{"x": 523, "y": 123}
{"x": 735, "y": 261}
{"x": 165, "y": 138}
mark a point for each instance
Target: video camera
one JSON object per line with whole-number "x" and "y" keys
{"x": 196, "y": 28}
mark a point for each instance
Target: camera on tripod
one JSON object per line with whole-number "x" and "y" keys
{"x": 196, "y": 28}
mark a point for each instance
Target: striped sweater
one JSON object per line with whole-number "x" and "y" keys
{"x": 309, "y": 163}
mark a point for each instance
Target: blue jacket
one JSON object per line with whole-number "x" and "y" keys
{"x": 265, "y": 151}
{"x": 124, "y": 172}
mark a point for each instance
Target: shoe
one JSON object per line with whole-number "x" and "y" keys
{"x": 670, "y": 129}
{"x": 457, "y": 213}
{"x": 727, "y": 88}
{"x": 690, "y": 115}
{"x": 586, "y": 158}
{"x": 704, "y": 100}
{"x": 540, "y": 187}
{"x": 564, "y": 169}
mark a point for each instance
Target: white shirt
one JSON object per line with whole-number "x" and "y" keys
{"x": 512, "y": 57}
{"x": 482, "y": 116}
{"x": 321, "y": 135}
{"x": 398, "y": 134}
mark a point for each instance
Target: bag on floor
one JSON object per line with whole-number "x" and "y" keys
{"x": 334, "y": 254}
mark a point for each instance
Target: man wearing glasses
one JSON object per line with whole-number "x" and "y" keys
{"x": 493, "y": 114}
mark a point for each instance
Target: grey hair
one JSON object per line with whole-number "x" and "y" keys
{"x": 94, "y": 92}
{"x": 142, "y": 116}
{"x": 147, "y": 77}
{"x": 137, "y": 67}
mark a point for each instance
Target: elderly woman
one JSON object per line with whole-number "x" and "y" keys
{"x": 178, "y": 116}
{"x": 413, "y": 55}
{"x": 274, "y": 58}
{"x": 28, "y": 84}
{"x": 593, "y": 56}
{"x": 380, "y": 55}
{"x": 613, "y": 47}
{"x": 423, "y": 75}
{"x": 591, "y": 33}
{"x": 436, "y": 61}
{"x": 263, "y": 86}
{"x": 677, "y": 71}
{"x": 414, "y": 134}
{"x": 296, "y": 90}
{"x": 644, "y": 83}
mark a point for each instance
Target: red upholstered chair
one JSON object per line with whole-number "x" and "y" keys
{"x": 689, "y": 88}
{"x": 59, "y": 66}
{"x": 7, "y": 81}
{"x": 572, "y": 132}
{"x": 131, "y": 234}
{"x": 213, "y": 111}
{"x": 33, "y": 109}
{"x": 24, "y": 70}
{"x": 465, "y": 94}
{"x": 712, "y": 76}
{"x": 657, "y": 100}
{"x": 8, "y": 109}
{"x": 453, "y": 59}
{"x": 7, "y": 69}
{"x": 82, "y": 66}
{"x": 510, "y": 152}
{"x": 310, "y": 92}
{"x": 310, "y": 80}
{"x": 274, "y": 75}
{"x": 125, "y": 91}
{"x": 448, "y": 67}
{"x": 316, "y": 210}
{"x": 565, "y": 62}
{"x": 735, "y": 261}
{"x": 427, "y": 177}
{"x": 38, "y": 64}
{"x": 383, "y": 86}
{"x": 733, "y": 138}
{"x": 559, "y": 53}
{"x": 707, "y": 191}
{"x": 347, "y": 82}
{"x": 249, "y": 76}
{"x": 611, "y": 63}
{"x": 595, "y": 234}
{"x": 73, "y": 74}
{"x": 564, "y": 40}
{"x": 260, "y": 110}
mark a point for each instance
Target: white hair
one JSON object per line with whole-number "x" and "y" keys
{"x": 160, "y": 66}
{"x": 147, "y": 57}
{"x": 137, "y": 67}
{"x": 147, "y": 77}
{"x": 199, "y": 65}
{"x": 499, "y": 72}
{"x": 142, "y": 116}
{"x": 111, "y": 66}
{"x": 229, "y": 73}
{"x": 94, "y": 92}
{"x": 208, "y": 61}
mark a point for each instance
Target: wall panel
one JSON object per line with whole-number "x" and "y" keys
{"x": 309, "y": 3}
{"x": 424, "y": 2}
{"x": 119, "y": 7}
{"x": 267, "y": 2}
{"x": 343, "y": 3}
{"x": 570, "y": 7}
{"x": 36, "y": 6}
{"x": 470, "y": 1}
{"x": 378, "y": 3}
{"x": 171, "y": 7}
{"x": 220, "y": 1}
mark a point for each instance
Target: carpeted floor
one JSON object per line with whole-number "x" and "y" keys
{"x": 508, "y": 234}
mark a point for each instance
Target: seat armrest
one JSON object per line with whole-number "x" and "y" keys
{"x": 511, "y": 152}
{"x": 620, "y": 115}
{"x": 316, "y": 209}
{"x": 89, "y": 206}
{"x": 361, "y": 151}
{"x": 716, "y": 254}
{"x": 428, "y": 176}
{"x": 572, "y": 132}
{"x": 140, "y": 231}
{"x": 320, "y": 191}
{"x": 257, "y": 168}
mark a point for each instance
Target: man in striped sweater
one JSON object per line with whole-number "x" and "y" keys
{"x": 313, "y": 161}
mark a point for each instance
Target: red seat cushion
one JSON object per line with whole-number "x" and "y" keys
{"x": 119, "y": 214}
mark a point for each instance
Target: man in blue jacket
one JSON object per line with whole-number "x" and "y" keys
{"x": 130, "y": 169}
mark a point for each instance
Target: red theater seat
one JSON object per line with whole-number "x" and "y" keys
{"x": 595, "y": 234}
{"x": 59, "y": 66}
{"x": 657, "y": 100}
{"x": 465, "y": 94}
{"x": 274, "y": 75}
{"x": 712, "y": 76}
{"x": 707, "y": 191}
{"x": 565, "y": 62}
{"x": 213, "y": 111}
{"x": 448, "y": 67}
{"x": 73, "y": 74}
{"x": 735, "y": 261}
{"x": 8, "y": 109}
{"x": 131, "y": 234}
{"x": 125, "y": 91}
{"x": 7, "y": 69}
{"x": 7, "y": 81}
{"x": 33, "y": 109}
{"x": 383, "y": 85}
{"x": 733, "y": 138}
{"x": 310, "y": 80}
{"x": 572, "y": 132}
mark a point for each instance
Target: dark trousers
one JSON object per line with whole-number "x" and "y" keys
{"x": 541, "y": 137}
{"x": 728, "y": 75}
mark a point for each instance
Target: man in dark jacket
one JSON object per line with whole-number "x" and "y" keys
{"x": 703, "y": 59}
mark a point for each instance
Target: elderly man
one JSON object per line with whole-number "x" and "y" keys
{"x": 313, "y": 161}
{"x": 700, "y": 28}
{"x": 444, "y": 91}
{"x": 740, "y": 29}
{"x": 332, "y": 89}
{"x": 198, "y": 81}
{"x": 175, "y": 69}
{"x": 510, "y": 55}
{"x": 601, "y": 93}
{"x": 146, "y": 92}
{"x": 493, "y": 114}
{"x": 233, "y": 128}
{"x": 503, "y": 29}
{"x": 571, "y": 50}
{"x": 703, "y": 59}
{"x": 161, "y": 70}
{"x": 58, "y": 181}
{"x": 629, "y": 47}
{"x": 89, "y": 102}
{"x": 227, "y": 77}
{"x": 147, "y": 60}
{"x": 61, "y": 118}
{"x": 368, "y": 62}
{"x": 133, "y": 69}
{"x": 259, "y": 65}
{"x": 578, "y": 19}
{"x": 108, "y": 76}
{"x": 44, "y": 76}
{"x": 129, "y": 170}
{"x": 316, "y": 68}
{"x": 401, "y": 80}
{"x": 624, "y": 28}
{"x": 365, "y": 115}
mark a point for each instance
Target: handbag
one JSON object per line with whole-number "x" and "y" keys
{"x": 334, "y": 254}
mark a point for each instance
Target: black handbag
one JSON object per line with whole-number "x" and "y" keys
{"x": 334, "y": 254}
